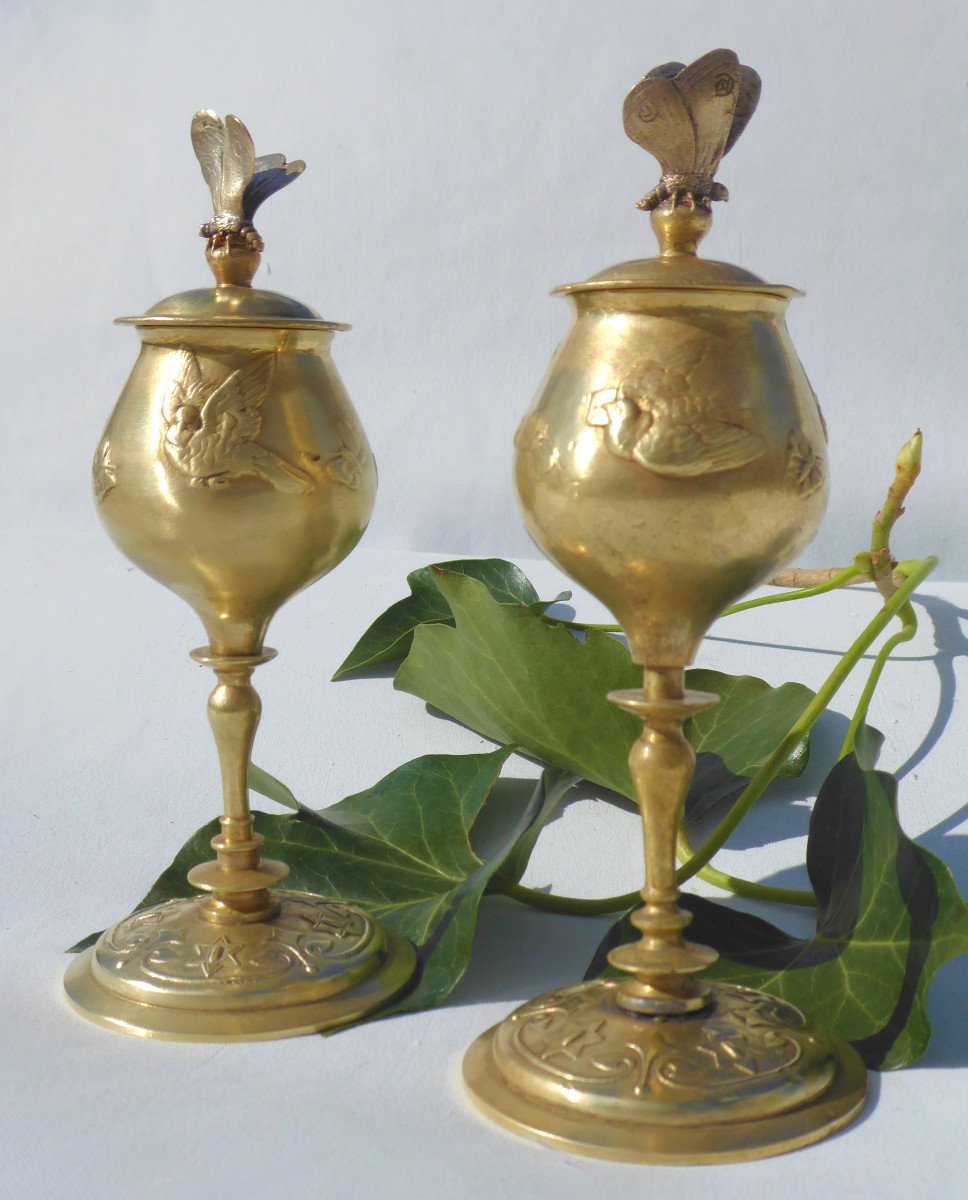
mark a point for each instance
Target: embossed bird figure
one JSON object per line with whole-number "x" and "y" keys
{"x": 212, "y": 427}
{"x": 672, "y": 418}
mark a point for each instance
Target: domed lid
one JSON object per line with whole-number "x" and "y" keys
{"x": 239, "y": 183}
{"x": 688, "y": 118}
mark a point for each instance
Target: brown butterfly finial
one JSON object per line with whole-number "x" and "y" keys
{"x": 688, "y": 118}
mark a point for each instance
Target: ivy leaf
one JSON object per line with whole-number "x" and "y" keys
{"x": 888, "y": 916}
{"x": 273, "y": 789}
{"x": 400, "y": 849}
{"x": 713, "y": 790}
{"x": 388, "y": 638}
{"x": 749, "y": 721}
{"x": 509, "y": 675}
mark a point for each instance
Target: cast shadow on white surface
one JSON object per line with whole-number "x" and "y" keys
{"x": 951, "y": 643}
{"x": 946, "y": 1010}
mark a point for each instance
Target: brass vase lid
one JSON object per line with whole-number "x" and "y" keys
{"x": 239, "y": 182}
{"x": 688, "y": 117}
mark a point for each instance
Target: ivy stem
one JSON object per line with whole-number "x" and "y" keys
{"x": 573, "y": 905}
{"x": 577, "y": 906}
{"x": 843, "y": 576}
{"x": 696, "y": 862}
{"x": 744, "y": 887}
{"x": 907, "y": 631}
{"x": 769, "y": 770}
{"x": 580, "y": 626}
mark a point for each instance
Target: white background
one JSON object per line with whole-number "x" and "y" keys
{"x": 464, "y": 158}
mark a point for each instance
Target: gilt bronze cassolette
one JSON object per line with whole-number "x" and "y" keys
{"x": 673, "y": 459}
{"x": 235, "y": 471}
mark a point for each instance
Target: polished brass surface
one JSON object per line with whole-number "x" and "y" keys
{"x": 235, "y": 471}
{"x": 749, "y": 1078}
{"x": 168, "y": 972}
{"x": 674, "y": 457}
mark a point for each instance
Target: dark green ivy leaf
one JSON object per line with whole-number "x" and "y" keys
{"x": 401, "y": 850}
{"x": 509, "y": 675}
{"x": 888, "y": 916}
{"x": 388, "y": 638}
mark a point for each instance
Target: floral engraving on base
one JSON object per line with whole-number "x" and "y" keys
{"x": 673, "y": 418}
{"x": 804, "y": 465}
{"x": 169, "y": 944}
{"x": 575, "y": 1038}
{"x": 103, "y": 476}
{"x": 212, "y": 426}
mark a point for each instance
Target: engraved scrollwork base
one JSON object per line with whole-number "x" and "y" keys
{"x": 167, "y": 972}
{"x": 745, "y": 1077}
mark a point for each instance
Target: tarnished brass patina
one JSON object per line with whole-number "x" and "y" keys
{"x": 235, "y": 471}
{"x": 673, "y": 459}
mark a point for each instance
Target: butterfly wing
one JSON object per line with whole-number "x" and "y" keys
{"x": 746, "y": 102}
{"x": 709, "y": 88}
{"x": 656, "y": 117}
{"x": 238, "y": 165}
{"x": 266, "y": 161}
{"x": 208, "y": 134}
{"x": 667, "y": 70}
{"x": 272, "y": 173}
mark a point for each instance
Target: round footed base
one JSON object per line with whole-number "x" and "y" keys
{"x": 168, "y": 973}
{"x": 746, "y": 1077}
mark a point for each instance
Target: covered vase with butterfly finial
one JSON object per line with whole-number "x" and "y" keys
{"x": 677, "y": 382}
{"x": 235, "y": 471}
{"x": 673, "y": 459}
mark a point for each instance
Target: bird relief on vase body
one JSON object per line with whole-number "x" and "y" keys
{"x": 213, "y": 424}
{"x": 680, "y": 417}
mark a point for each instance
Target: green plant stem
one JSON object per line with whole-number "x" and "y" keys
{"x": 697, "y": 862}
{"x": 573, "y": 905}
{"x": 579, "y": 907}
{"x": 580, "y": 626}
{"x": 836, "y": 581}
{"x": 907, "y": 631}
{"x": 767, "y": 773}
{"x": 839, "y": 580}
{"x": 744, "y": 887}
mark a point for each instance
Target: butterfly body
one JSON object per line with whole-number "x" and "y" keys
{"x": 689, "y": 117}
{"x": 237, "y": 180}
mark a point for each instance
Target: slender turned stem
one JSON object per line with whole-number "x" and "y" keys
{"x": 234, "y": 709}
{"x": 238, "y": 880}
{"x": 661, "y": 965}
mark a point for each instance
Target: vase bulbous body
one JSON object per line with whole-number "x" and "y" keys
{"x": 234, "y": 469}
{"x": 675, "y": 455}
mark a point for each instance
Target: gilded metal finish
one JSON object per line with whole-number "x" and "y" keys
{"x": 166, "y": 973}
{"x": 689, "y": 117}
{"x": 673, "y": 459}
{"x": 235, "y": 471}
{"x": 752, "y": 1078}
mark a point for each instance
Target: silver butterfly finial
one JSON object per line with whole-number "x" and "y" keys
{"x": 689, "y": 117}
{"x": 238, "y": 181}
